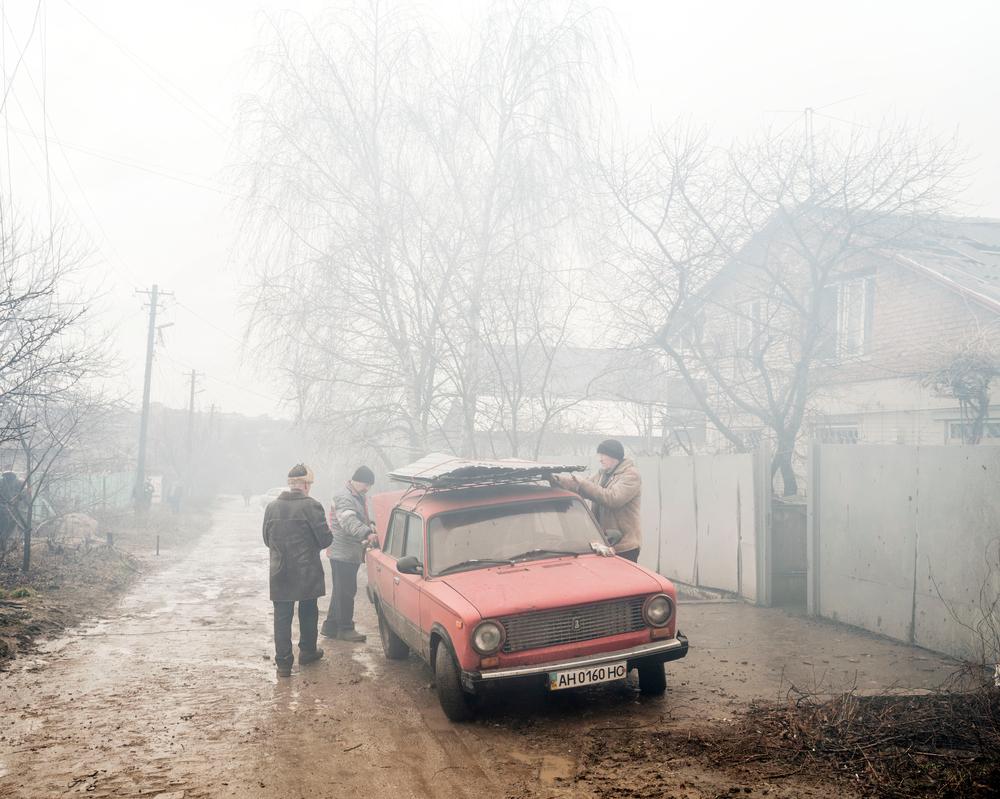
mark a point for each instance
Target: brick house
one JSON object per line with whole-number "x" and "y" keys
{"x": 889, "y": 315}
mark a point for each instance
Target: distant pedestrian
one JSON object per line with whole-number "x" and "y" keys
{"x": 616, "y": 492}
{"x": 295, "y": 530}
{"x": 352, "y": 530}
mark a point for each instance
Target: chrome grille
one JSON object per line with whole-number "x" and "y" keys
{"x": 569, "y": 625}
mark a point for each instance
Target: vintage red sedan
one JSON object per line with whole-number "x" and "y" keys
{"x": 493, "y": 577}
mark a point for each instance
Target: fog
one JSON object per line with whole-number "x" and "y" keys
{"x": 123, "y": 127}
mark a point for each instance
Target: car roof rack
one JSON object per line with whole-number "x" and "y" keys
{"x": 440, "y": 471}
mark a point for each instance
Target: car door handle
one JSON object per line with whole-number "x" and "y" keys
{"x": 395, "y": 580}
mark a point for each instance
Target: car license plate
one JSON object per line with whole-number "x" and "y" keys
{"x": 574, "y": 678}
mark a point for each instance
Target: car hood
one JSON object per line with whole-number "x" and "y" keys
{"x": 550, "y": 583}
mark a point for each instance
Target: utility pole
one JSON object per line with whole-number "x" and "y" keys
{"x": 190, "y": 428}
{"x": 139, "y": 492}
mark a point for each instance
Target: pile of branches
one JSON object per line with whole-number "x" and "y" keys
{"x": 941, "y": 744}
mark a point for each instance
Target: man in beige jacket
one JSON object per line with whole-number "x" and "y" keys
{"x": 615, "y": 492}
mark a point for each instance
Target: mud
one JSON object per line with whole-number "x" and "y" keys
{"x": 174, "y": 694}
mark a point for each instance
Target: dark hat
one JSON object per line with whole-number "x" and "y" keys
{"x": 612, "y": 448}
{"x": 300, "y": 472}
{"x": 364, "y": 475}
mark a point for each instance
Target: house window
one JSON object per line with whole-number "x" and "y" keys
{"x": 957, "y": 431}
{"x": 845, "y": 319}
{"x": 855, "y": 301}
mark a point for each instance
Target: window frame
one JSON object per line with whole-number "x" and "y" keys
{"x": 413, "y": 520}
{"x": 390, "y": 536}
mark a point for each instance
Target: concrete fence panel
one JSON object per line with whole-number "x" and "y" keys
{"x": 902, "y": 540}
{"x": 649, "y": 468}
{"x": 678, "y": 520}
{"x": 865, "y": 538}
{"x": 725, "y": 502}
{"x": 699, "y": 520}
{"x": 958, "y": 524}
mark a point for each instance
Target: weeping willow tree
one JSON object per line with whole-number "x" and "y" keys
{"x": 398, "y": 182}
{"x": 967, "y": 376}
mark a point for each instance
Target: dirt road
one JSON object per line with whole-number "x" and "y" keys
{"x": 175, "y": 696}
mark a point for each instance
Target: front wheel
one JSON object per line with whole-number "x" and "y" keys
{"x": 652, "y": 678}
{"x": 393, "y": 646}
{"x": 455, "y": 702}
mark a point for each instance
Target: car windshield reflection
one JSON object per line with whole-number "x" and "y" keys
{"x": 475, "y": 538}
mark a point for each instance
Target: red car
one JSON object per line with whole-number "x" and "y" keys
{"x": 493, "y": 577}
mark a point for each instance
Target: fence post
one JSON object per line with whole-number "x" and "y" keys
{"x": 813, "y": 531}
{"x": 762, "y": 521}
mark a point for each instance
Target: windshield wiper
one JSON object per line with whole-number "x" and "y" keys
{"x": 476, "y": 562}
{"x": 532, "y": 552}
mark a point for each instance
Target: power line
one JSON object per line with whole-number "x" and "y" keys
{"x": 225, "y": 382}
{"x": 20, "y": 58}
{"x": 209, "y": 322}
{"x": 162, "y": 82}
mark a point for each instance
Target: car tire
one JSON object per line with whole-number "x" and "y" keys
{"x": 455, "y": 702}
{"x": 652, "y": 678}
{"x": 393, "y": 646}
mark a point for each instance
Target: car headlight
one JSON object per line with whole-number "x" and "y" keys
{"x": 658, "y": 610}
{"x": 487, "y": 638}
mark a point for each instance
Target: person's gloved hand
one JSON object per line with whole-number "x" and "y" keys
{"x": 372, "y": 541}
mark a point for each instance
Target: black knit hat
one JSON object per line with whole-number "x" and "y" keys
{"x": 612, "y": 448}
{"x": 364, "y": 475}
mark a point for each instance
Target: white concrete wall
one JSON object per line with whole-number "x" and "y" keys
{"x": 901, "y": 539}
{"x": 698, "y": 520}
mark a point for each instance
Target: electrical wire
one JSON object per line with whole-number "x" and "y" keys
{"x": 20, "y": 58}
{"x": 162, "y": 82}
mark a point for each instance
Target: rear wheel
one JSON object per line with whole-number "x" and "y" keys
{"x": 455, "y": 702}
{"x": 652, "y": 678}
{"x": 393, "y": 646}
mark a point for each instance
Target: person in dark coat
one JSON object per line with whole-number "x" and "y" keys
{"x": 295, "y": 531}
{"x": 352, "y": 530}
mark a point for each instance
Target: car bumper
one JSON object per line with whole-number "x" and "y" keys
{"x": 662, "y": 651}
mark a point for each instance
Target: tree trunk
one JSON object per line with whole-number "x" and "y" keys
{"x": 783, "y": 462}
{"x": 28, "y": 514}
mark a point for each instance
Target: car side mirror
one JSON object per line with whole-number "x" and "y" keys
{"x": 409, "y": 565}
{"x": 613, "y": 536}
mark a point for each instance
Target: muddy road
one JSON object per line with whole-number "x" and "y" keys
{"x": 175, "y": 695}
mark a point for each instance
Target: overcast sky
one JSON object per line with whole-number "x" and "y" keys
{"x": 140, "y": 100}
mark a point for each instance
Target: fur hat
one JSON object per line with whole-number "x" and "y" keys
{"x": 300, "y": 473}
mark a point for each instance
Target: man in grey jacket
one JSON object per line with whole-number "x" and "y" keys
{"x": 352, "y": 529}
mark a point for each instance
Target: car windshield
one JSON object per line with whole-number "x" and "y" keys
{"x": 479, "y": 537}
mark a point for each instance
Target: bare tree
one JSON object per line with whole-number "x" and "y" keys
{"x": 47, "y": 351}
{"x": 52, "y": 430}
{"x": 730, "y": 262}
{"x": 397, "y": 182}
{"x": 42, "y": 348}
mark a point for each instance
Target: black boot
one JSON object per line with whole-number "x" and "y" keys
{"x": 310, "y": 657}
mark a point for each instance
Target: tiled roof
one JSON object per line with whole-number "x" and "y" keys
{"x": 963, "y": 252}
